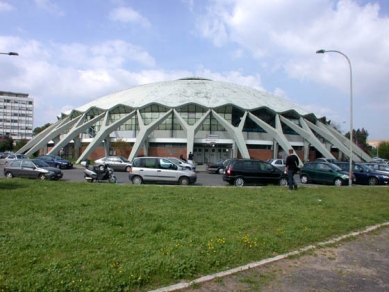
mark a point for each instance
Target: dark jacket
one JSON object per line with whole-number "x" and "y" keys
{"x": 292, "y": 162}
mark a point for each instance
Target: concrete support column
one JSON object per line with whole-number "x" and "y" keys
{"x": 77, "y": 146}
{"x": 146, "y": 148}
{"x": 107, "y": 145}
{"x": 275, "y": 149}
{"x": 306, "y": 148}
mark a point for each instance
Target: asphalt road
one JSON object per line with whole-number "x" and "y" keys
{"x": 77, "y": 174}
{"x": 203, "y": 178}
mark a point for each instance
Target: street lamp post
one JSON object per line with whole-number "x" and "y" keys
{"x": 351, "y": 108}
{"x": 10, "y": 54}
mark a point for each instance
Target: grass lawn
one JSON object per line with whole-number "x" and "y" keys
{"x": 61, "y": 236}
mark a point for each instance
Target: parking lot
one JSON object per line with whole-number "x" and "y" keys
{"x": 203, "y": 177}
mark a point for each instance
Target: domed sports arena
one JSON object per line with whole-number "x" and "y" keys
{"x": 211, "y": 119}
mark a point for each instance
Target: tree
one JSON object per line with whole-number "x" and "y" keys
{"x": 37, "y": 130}
{"x": 383, "y": 150}
{"x": 360, "y": 138}
{"x": 6, "y": 143}
{"x": 19, "y": 144}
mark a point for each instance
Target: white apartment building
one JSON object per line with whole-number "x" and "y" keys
{"x": 16, "y": 115}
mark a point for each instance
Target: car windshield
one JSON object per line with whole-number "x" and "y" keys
{"x": 363, "y": 167}
{"x": 40, "y": 163}
{"x": 57, "y": 157}
{"x": 335, "y": 167}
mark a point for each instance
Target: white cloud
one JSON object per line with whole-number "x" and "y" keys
{"x": 5, "y": 7}
{"x": 49, "y": 6}
{"x": 128, "y": 15}
{"x": 283, "y": 35}
{"x": 267, "y": 45}
{"x": 108, "y": 54}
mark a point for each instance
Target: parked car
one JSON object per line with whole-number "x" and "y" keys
{"x": 159, "y": 170}
{"x": 218, "y": 166}
{"x": 2, "y": 155}
{"x": 379, "y": 160}
{"x": 180, "y": 162}
{"x": 329, "y": 160}
{"x": 379, "y": 166}
{"x": 365, "y": 175}
{"x": 32, "y": 168}
{"x": 56, "y": 161}
{"x": 11, "y": 157}
{"x": 248, "y": 171}
{"x": 323, "y": 173}
{"x": 117, "y": 163}
{"x": 278, "y": 162}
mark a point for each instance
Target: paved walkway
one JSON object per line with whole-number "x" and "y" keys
{"x": 360, "y": 262}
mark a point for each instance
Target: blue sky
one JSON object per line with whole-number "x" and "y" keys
{"x": 72, "y": 51}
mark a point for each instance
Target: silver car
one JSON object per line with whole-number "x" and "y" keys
{"x": 182, "y": 163}
{"x": 159, "y": 170}
{"x": 11, "y": 157}
{"x": 34, "y": 168}
{"x": 117, "y": 163}
{"x": 278, "y": 162}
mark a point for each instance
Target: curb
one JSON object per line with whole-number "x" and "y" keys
{"x": 266, "y": 261}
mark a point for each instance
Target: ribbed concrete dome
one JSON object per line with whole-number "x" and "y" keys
{"x": 201, "y": 91}
{"x": 161, "y": 117}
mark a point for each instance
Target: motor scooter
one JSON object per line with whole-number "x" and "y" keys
{"x": 99, "y": 173}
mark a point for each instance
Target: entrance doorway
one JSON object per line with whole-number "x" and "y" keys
{"x": 206, "y": 153}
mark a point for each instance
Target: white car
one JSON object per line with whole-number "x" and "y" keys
{"x": 278, "y": 162}
{"x": 182, "y": 163}
{"x": 159, "y": 170}
{"x": 11, "y": 157}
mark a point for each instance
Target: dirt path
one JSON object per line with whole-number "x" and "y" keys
{"x": 357, "y": 264}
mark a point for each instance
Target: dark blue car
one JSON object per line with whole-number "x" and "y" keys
{"x": 56, "y": 161}
{"x": 365, "y": 175}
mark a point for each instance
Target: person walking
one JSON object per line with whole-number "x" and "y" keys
{"x": 291, "y": 167}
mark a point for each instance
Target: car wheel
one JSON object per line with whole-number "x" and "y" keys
{"x": 304, "y": 179}
{"x": 373, "y": 181}
{"x": 9, "y": 175}
{"x": 42, "y": 176}
{"x": 137, "y": 180}
{"x": 220, "y": 170}
{"x": 127, "y": 169}
{"x": 239, "y": 182}
{"x": 338, "y": 182}
{"x": 58, "y": 166}
{"x": 184, "y": 181}
{"x": 283, "y": 182}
